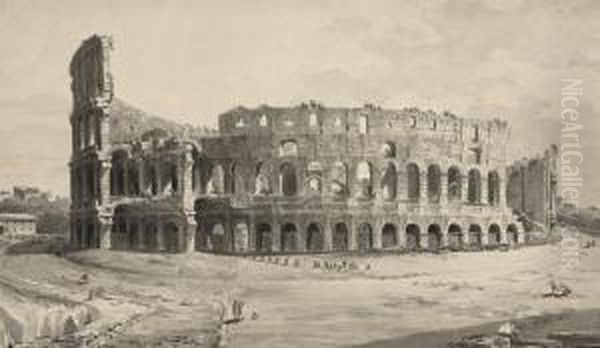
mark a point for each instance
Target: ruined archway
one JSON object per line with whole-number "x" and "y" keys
{"x": 288, "y": 237}
{"x": 389, "y": 182}
{"x": 289, "y": 181}
{"x": 364, "y": 237}
{"x": 454, "y": 184}
{"x": 414, "y": 182}
{"x": 474, "y": 189}
{"x": 494, "y": 235}
{"x": 455, "y": 237}
{"x": 171, "y": 237}
{"x": 413, "y": 237}
{"x": 493, "y": 188}
{"x": 264, "y": 238}
{"x": 434, "y": 183}
{"x": 475, "y": 236}
{"x": 389, "y": 237}
{"x": 314, "y": 238}
{"x": 340, "y": 237}
{"x": 434, "y": 237}
{"x": 364, "y": 176}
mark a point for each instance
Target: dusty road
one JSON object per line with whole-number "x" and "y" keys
{"x": 171, "y": 300}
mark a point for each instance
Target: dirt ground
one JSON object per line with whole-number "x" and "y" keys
{"x": 389, "y": 300}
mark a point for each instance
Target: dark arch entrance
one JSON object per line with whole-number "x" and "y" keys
{"x": 340, "y": 237}
{"x": 289, "y": 183}
{"x": 264, "y": 238}
{"x": 494, "y": 235}
{"x": 455, "y": 238}
{"x": 413, "y": 237}
{"x": 475, "y": 236}
{"x": 512, "y": 234}
{"x": 288, "y": 237}
{"x": 434, "y": 237}
{"x": 364, "y": 237}
{"x": 388, "y": 236}
{"x": 314, "y": 238}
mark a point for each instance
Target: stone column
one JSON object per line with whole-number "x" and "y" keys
{"x": 352, "y": 226}
{"x": 276, "y": 234}
{"x": 190, "y": 233}
{"x": 251, "y": 233}
{"x": 105, "y": 230}
{"x": 424, "y": 239}
{"x": 104, "y": 181}
{"x": 484, "y": 189}
{"x": 377, "y": 235}
{"x": 465, "y": 235}
{"x": 444, "y": 188}
{"x": 186, "y": 173}
{"x": 423, "y": 198}
{"x": 327, "y": 236}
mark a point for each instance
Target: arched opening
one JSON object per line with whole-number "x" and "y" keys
{"x": 364, "y": 238}
{"x": 216, "y": 240}
{"x": 512, "y": 234}
{"x": 413, "y": 237}
{"x": 455, "y": 237}
{"x": 474, "y": 186}
{"x": 133, "y": 179}
{"x": 434, "y": 237}
{"x": 494, "y": 235}
{"x": 493, "y": 188}
{"x": 389, "y": 149}
{"x": 339, "y": 179}
{"x": 264, "y": 238}
{"x": 389, "y": 182}
{"x": 364, "y": 177}
{"x": 414, "y": 182}
{"x": 434, "y": 182}
{"x": 216, "y": 183}
{"x": 117, "y": 177}
{"x": 475, "y": 236}
{"x": 389, "y": 237}
{"x": 340, "y": 237}
{"x": 289, "y": 182}
{"x": 151, "y": 179}
{"x": 237, "y": 180}
{"x": 171, "y": 237}
{"x": 288, "y": 237}
{"x": 240, "y": 237}
{"x": 151, "y": 236}
{"x": 133, "y": 235}
{"x": 262, "y": 183}
{"x": 454, "y": 184}
{"x": 314, "y": 238}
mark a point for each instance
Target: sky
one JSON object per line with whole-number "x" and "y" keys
{"x": 191, "y": 60}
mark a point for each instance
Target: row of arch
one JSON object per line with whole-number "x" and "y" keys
{"x": 133, "y": 178}
{"x": 315, "y": 239}
{"x": 289, "y": 183}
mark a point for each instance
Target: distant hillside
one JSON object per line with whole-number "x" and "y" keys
{"x": 129, "y": 123}
{"x": 586, "y": 219}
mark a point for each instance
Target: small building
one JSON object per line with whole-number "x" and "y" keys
{"x": 12, "y": 225}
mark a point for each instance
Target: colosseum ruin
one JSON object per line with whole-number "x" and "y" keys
{"x": 305, "y": 178}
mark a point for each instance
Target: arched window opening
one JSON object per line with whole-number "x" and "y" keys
{"x": 494, "y": 235}
{"x": 414, "y": 182}
{"x": 264, "y": 238}
{"x": 262, "y": 183}
{"x": 413, "y": 237}
{"x": 455, "y": 238}
{"x": 474, "y": 186}
{"x": 475, "y": 236}
{"x": 493, "y": 188}
{"x": 364, "y": 237}
{"x": 434, "y": 237}
{"x": 340, "y": 237}
{"x": 434, "y": 181}
{"x": 288, "y": 237}
{"x": 240, "y": 237}
{"x": 288, "y": 179}
{"x": 454, "y": 184}
{"x": 339, "y": 179}
{"x": 389, "y": 182}
{"x": 389, "y": 237}
{"x": 364, "y": 178}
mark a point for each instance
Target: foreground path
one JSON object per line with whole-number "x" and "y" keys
{"x": 173, "y": 297}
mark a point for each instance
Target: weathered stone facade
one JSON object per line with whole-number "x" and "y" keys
{"x": 282, "y": 179}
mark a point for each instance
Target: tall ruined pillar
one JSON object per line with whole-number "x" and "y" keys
{"x": 186, "y": 173}
{"x": 190, "y": 232}
{"x": 105, "y": 232}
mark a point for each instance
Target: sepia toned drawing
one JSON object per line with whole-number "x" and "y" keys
{"x": 335, "y": 174}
